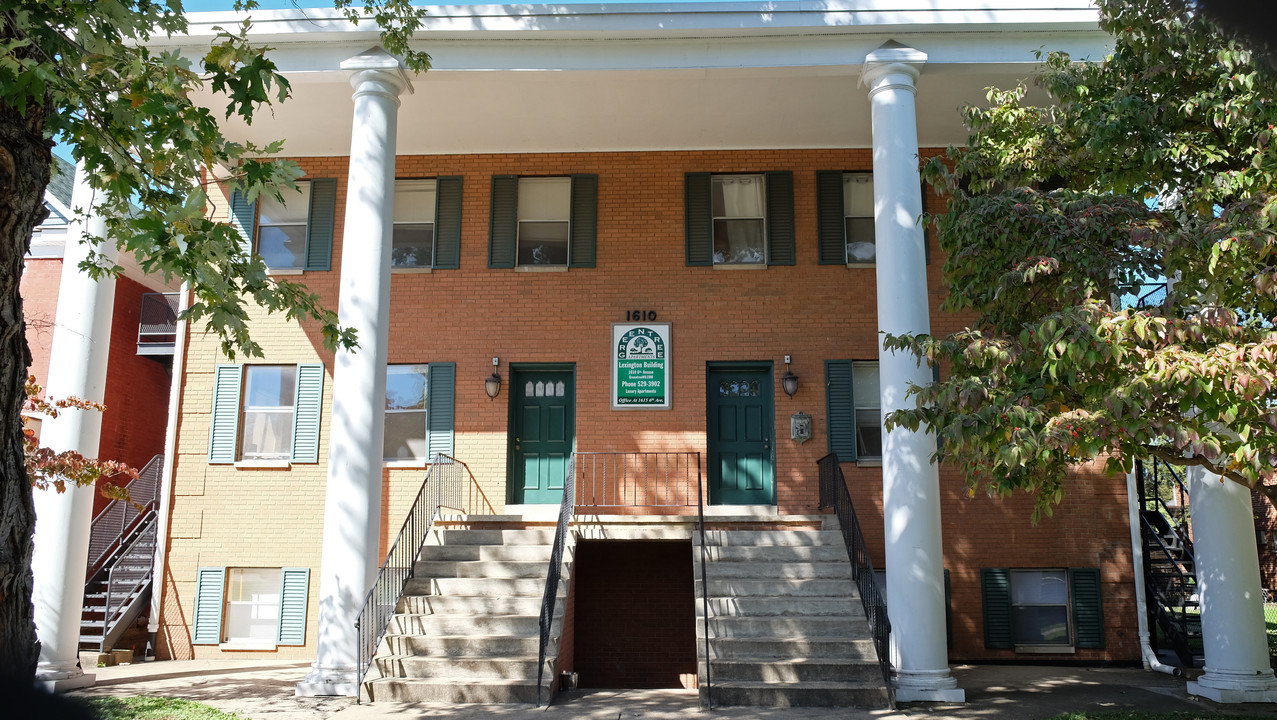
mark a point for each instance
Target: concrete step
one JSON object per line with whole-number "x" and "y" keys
{"x": 532, "y": 536}
{"x": 516, "y": 625}
{"x": 776, "y": 571}
{"x": 796, "y": 670}
{"x": 813, "y": 694}
{"x": 500, "y": 587}
{"x": 469, "y": 605}
{"x": 852, "y": 649}
{"x": 742, "y": 587}
{"x": 462, "y": 553}
{"x": 786, "y": 606}
{"x": 449, "y": 690}
{"x": 766, "y": 538}
{"x": 464, "y": 645}
{"x": 782, "y": 628}
{"x": 773, "y": 553}
{"x": 459, "y": 668}
{"x": 488, "y": 569}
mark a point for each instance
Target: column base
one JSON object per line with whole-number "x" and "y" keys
{"x": 61, "y": 677}
{"x": 1223, "y": 686}
{"x": 323, "y": 681}
{"x": 928, "y": 686}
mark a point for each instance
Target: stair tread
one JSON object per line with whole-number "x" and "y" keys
{"x": 812, "y": 684}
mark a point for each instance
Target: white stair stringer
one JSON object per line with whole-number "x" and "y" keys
{"x": 786, "y": 626}
{"x": 466, "y": 628}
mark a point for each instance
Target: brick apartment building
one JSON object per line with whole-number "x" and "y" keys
{"x": 629, "y": 235}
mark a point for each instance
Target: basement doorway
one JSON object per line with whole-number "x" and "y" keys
{"x": 634, "y": 614}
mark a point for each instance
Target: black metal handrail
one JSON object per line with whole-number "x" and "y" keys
{"x": 554, "y": 574}
{"x": 1172, "y": 585}
{"x": 119, "y": 520}
{"x": 444, "y": 488}
{"x": 122, "y": 590}
{"x": 833, "y": 493}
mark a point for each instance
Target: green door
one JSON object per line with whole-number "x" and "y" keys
{"x": 739, "y": 406}
{"x": 544, "y": 406}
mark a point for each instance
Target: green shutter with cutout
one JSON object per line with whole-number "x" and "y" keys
{"x": 698, "y": 219}
{"x": 948, "y": 611}
{"x": 780, "y": 218}
{"x": 995, "y": 586}
{"x": 840, "y": 409}
{"x": 503, "y": 221}
{"x": 243, "y": 214}
{"x": 447, "y": 250}
{"x": 306, "y": 420}
{"x": 294, "y": 590}
{"x": 1088, "y": 608}
{"x": 926, "y": 226}
{"x": 831, "y": 230}
{"x": 206, "y": 616}
{"x": 440, "y": 408}
{"x": 223, "y": 424}
{"x": 585, "y": 202}
{"x": 319, "y": 224}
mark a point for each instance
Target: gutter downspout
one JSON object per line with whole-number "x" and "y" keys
{"x": 1147, "y": 656}
{"x": 166, "y": 477}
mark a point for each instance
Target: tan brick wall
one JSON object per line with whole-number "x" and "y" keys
{"x": 223, "y": 516}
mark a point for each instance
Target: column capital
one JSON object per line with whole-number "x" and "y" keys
{"x": 892, "y": 66}
{"x": 377, "y": 72}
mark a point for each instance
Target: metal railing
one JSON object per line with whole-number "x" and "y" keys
{"x": 125, "y": 583}
{"x": 833, "y": 493}
{"x": 1169, "y": 565}
{"x": 623, "y": 480}
{"x": 157, "y": 324}
{"x": 111, "y": 527}
{"x": 449, "y": 486}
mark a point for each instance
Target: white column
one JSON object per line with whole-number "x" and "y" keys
{"x": 77, "y": 367}
{"x": 1228, "y": 586}
{"x": 910, "y": 481}
{"x": 352, "y": 504}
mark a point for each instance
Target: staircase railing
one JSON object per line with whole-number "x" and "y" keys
{"x": 122, "y": 592}
{"x": 1169, "y": 567}
{"x": 833, "y": 493}
{"x": 449, "y": 485}
{"x": 623, "y": 480}
{"x": 119, "y": 520}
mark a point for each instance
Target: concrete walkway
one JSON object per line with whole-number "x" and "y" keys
{"x": 264, "y": 691}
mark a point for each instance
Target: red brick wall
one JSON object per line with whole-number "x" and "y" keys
{"x": 1266, "y": 535}
{"x": 40, "y": 281}
{"x": 635, "y": 614}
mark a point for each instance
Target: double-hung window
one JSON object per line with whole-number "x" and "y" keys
{"x": 858, "y": 214}
{"x": 854, "y": 409}
{"x": 739, "y": 220}
{"x": 543, "y": 223}
{"x": 406, "y": 398}
{"x": 291, "y": 233}
{"x": 545, "y": 212}
{"x": 269, "y": 399}
{"x": 413, "y": 237}
{"x": 1042, "y": 610}
{"x": 1040, "y": 607}
{"x": 281, "y": 228}
{"x": 266, "y": 414}
{"x": 250, "y": 608}
{"x": 252, "y": 605}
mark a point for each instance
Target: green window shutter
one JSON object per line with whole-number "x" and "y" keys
{"x": 840, "y": 409}
{"x": 926, "y": 226}
{"x": 585, "y": 213}
{"x": 243, "y": 215}
{"x": 995, "y": 585}
{"x": 294, "y": 589}
{"x": 698, "y": 219}
{"x": 831, "y": 218}
{"x": 1088, "y": 608}
{"x": 206, "y": 618}
{"x": 503, "y": 221}
{"x": 780, "y": 218}
{"x": 948, "y": 610}
{"x": 319, "y": 224}
{"x": 440, "y": 408}
{"x": 447, "y": 251}
{"x": 310, "y": 397}
{"x": 223, "y": 426}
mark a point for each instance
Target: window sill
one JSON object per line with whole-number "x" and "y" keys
{"x": 284, "y": 271}
{"x": 419, "y": 464}
{"x": 1048, "y": 649}
{"x": 540, "y": 268}
{"x": 263, "y": 465}
{"x": 741, "y": 266}
{"x": 247, "y": 645}
{"x": 869, "y": 462}
{"x": 862, "y": 265}
{"x": 411, "y": 270}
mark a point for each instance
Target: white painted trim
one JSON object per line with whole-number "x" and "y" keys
{"x": 263, "y": 465}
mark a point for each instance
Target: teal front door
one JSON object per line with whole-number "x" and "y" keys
{"x": 541, "y": 442}
{"x": 739, "y": 408}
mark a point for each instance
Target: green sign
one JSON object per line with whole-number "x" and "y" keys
{"x": 640, "y": 365}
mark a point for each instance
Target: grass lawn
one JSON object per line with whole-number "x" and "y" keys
{"x": 154, "y": 708}
{"x": 1124, "y": 715}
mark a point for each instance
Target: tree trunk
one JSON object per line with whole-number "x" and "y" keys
{"x": 24, "y": 174}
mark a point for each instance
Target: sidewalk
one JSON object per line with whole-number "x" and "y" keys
{"x": 264, "y": 691}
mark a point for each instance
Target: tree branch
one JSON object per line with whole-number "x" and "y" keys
{"x": 1170, "y": 456}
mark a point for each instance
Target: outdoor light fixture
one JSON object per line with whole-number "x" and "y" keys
{"x": 789, "y": 381}
{"x": 492, "y": 386}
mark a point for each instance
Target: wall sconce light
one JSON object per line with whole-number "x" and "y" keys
{"x": 789, "y": 381}
{"x": 492, "y": 385}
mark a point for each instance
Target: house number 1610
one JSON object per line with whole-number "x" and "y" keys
{"x": 640, "y": 316}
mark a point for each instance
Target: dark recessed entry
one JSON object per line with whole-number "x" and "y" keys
{"x": 635, "y": 614}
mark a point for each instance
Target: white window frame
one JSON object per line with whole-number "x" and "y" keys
{"x": 566, "y": 181}
{"x": 244, "y": 409}
{"x": 713, "y": 221}
{"x": 1042, "y": 647}
{"x": 304, "y": 187}
{"x": 851, "y": 177}
{"x": 871, "y": 404}
{"x": 418, "y": 185}
{"x": 248, "y": 642}
{"x": 424, "y": 369}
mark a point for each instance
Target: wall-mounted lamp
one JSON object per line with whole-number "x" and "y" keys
{"x": 789, "y": 381}
{"x": 492, "y": 385}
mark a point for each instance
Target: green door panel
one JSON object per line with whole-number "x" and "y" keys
{"x": 740, "y": 411}
{"x": 542, "y": 437}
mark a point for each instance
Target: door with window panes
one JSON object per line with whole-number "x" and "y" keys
{"x": 740, "y": 410}
{"x": 543, "y": 410}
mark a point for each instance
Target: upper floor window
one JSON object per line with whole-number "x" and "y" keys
{"x": 544, "y": 212}
{"x": 858, "y": 213}
{"x": 269, "y": 398}
{"x": 740, "y": 219}
{"x": 414, "y": 224}
{"x": 545, "y": 223}
{"x": 291, "y": 233}
{"x": 281, "y": 228}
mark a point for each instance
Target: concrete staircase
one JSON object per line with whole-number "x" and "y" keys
{"x": 786, "y": 625}
{"x": 465, "y": 630}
